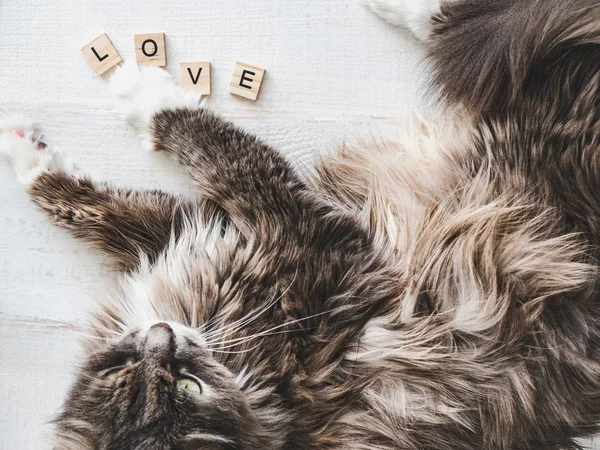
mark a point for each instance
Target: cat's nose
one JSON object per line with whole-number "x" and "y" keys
{"x": 160, "y": 341}
{"x": 164, "y": 325}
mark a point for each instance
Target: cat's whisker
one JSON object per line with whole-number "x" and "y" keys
{"x": 242, "y": 322}
{"x": 231, "y": 340}
{"x": 248, "y": 318}
{"x": 105, "y": 330}
{"x": 87, "y": 335}
{"x": 235, "y": 352}
{"x": 111, "y": 318}
{"x": 207, "y": 325}
{"x": 234, "y": 326}
{"x": 266, "y": 332}
{"x": 250, "y": 338}
{"x": 100, "y": 327}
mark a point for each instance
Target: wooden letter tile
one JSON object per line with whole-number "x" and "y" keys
{"x": 246, "y": 80}
{"x": 195, "y": 76}
{"x": 150, "y": 49}
{"x": 101, "y": 54}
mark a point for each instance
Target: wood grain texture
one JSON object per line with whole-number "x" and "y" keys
{"x": 336, "y": 73}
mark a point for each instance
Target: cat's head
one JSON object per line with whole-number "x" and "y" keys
{"x": 156, "y": 388}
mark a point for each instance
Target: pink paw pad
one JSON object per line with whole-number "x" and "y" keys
{"x": 41, "y": 145}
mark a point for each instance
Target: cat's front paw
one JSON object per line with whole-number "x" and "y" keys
{"x": 415, "y": 15}
{"x": 140, "y": 93}
{"x": 28, "y": 152}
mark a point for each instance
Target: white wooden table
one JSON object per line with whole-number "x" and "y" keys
{"x": 334, "y": 73}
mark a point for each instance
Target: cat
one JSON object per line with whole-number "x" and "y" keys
{"x": 438, "y": 291}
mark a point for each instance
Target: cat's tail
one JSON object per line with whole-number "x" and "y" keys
{"x": 528, "y": 73}
{"x": 491, "y": 54}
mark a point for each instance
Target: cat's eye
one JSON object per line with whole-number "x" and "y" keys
{"x": 189, "y": 385}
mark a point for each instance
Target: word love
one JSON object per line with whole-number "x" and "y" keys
{"x": 150, "y": 49}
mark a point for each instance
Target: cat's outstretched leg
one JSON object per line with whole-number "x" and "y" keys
{"x": 126, "y": 224}
{"x": 245, "y": 177}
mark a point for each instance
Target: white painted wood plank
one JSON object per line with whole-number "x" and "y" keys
{"x": 36, "y": 369}
{"x": 334, "y": 72}
{"x": 324, "y": 57}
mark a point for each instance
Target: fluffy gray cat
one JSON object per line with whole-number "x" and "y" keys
{"x": 435, "y": 292}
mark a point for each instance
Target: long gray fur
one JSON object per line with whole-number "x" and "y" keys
{"x": 368, "y": 307}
